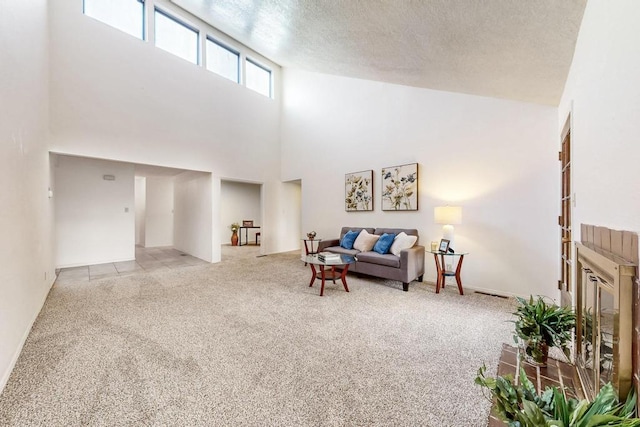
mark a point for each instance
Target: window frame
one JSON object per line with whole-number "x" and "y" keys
{"x": 178, "y": 21}
{"x": 265, "y": 68}
{"x": 143, "y": 35}
{"x": 225, "y": 46}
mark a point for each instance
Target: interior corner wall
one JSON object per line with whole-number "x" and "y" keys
{"x": 95, "y": 218}
{"x": 27, "y": 268}
{"x": 159, "y": 211}
{"x": 141, "y": 202}
{"x": 240, "y": 201}
{"x": 193, "y": 215}
{"x": 495, "y": 158}
{"x": 602, "y": 94}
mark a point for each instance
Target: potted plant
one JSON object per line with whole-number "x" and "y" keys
{"x": 234, "y": 233}
{"x": 541, "y": 325}
{"x": 519, "y": 405}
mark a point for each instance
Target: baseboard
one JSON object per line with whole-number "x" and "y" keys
{"x": 7, "y": 374}
{"x": 486, "y": 291}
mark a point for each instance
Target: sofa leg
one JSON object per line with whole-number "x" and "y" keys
{"x": 405, "y": 287}
{"x": 420, "y": 278}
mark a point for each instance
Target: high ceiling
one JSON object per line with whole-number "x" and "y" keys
{"x": 513, "y": 49}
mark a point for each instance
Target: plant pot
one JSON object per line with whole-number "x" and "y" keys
{"x": 536, "y": 352}
{"x": 234, "y": 238}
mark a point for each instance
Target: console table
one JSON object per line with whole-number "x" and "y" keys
{"x": 246, "y": 234}
{"x": 443, "y": 273}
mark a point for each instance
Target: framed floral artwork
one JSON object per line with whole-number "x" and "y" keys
{"x": 400, "y": 188}
{"x": 358, "y": 191}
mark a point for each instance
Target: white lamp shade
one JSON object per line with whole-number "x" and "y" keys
{"x": 448, "y": 215}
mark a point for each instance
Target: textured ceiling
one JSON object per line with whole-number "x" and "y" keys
{"x": 514, "y": 49}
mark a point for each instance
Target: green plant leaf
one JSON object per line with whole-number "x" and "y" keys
{"x": 528, "y": 389}
{"x": 561, "y": 407}
{"x": 603, "y": 420}
{"x": 605, "y": 402}
{"x": 533, "y": 416}
{"x": 629, "y": 408}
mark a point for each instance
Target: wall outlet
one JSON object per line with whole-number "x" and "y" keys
{"x": 449, "y": 267}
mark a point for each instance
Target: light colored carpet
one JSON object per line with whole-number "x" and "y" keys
{"x": 246, "y": 342}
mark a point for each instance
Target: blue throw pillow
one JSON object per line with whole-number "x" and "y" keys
{"x": 348, "y": 239}
{"x": 384, "y": 243}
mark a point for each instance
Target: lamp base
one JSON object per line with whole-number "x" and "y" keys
{"x": 447, "y": 233}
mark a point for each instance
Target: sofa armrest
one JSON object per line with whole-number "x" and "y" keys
{"x": 412, "y": 262}
{"x": 327, "y": 243}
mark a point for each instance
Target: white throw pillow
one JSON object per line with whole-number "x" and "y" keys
{"x": 402, "y": 242}
{"x": 365, "y": 241}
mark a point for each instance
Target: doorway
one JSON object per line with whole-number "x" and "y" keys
{"x": 242, "y": 203}
{"x": 564, "y": 220}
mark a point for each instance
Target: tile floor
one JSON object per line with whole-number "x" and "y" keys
{"x": 147, "y": 260}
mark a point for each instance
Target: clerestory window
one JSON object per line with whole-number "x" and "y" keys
{"x": 223, "y": 60}
{"x": 125, "y": 15}
{"x": 176, "y": 37}
{"x": 258, "y": 78}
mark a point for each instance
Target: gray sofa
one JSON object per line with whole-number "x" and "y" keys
{"x": 407, "y": 267}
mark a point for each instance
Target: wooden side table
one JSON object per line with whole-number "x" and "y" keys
{"x": 443, "y": 273}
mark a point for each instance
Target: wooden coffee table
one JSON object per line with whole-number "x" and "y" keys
{"x": 331, "y": 272}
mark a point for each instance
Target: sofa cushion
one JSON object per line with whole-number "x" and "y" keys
{"x": 344, "y": 230}
{"x": 365, "y": 241}
{"x": 402, "y": 242}
{"x": 348, "y": 239}
{"x": 396, "y": 231}
{"x": 341, "y": 250}
{"x": 376, "y": 258}
{"x": 384, "y": 243}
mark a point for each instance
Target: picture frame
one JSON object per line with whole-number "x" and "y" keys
{"x": 358, "y": 191}
{"x": 400, "y": 188}
{"x": 247, "y": 223}
{"x": 444, "y": 245}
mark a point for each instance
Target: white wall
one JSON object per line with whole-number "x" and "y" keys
{"x": 193, "y": 216}
{"x": 240, "y": 201}
{"x": 140, "y": 189}
{"x": 119, "y": 98}
{"x": 495, "y": 158}
{"x": 159, "y": 212}
{"x": 604, "y": 88}
{"x": 291, "y": 215}
{"x": 26, "y": 254}
{"x": 95, "y": 218}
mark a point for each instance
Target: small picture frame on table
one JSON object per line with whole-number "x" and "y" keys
{"x": 444, "y": 245}
{"x": 247, "y": 223}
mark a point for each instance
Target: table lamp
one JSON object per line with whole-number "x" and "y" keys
{"x": 448, "y": 216}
